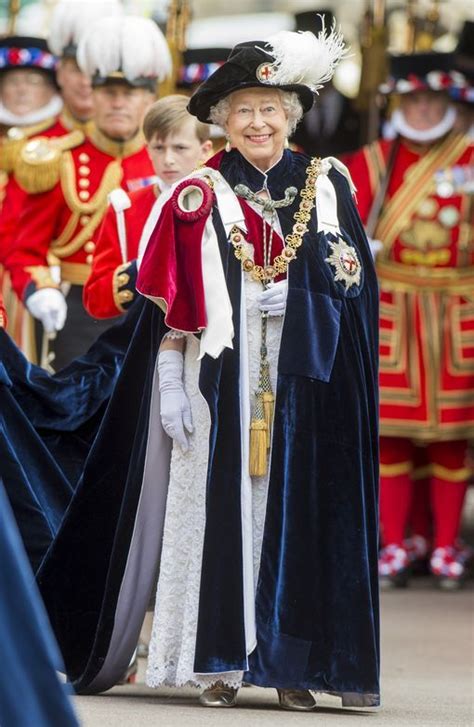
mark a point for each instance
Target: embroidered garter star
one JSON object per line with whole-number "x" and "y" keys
{"x": 344, "y": 259}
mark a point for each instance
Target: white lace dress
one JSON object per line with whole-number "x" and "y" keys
{"x": 172, "y": 646}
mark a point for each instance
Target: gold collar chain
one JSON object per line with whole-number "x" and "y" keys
{"x": 292, "y": 241}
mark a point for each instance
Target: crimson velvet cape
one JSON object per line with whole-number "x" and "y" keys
{"x": 317, "y": 597}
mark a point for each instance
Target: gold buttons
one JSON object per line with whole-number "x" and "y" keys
{"x": 124, "y": 296}
{"x": 89, "y": 259}
{"x": 84, "y": 171}
{"x": 85, "y": 219}
{"x": 84, "y": 195}
{"x": 122, "y": 279}
{"x": 84, "y": 158}
{"x": 89, "y": 246}
{"x": 83, "y": 183}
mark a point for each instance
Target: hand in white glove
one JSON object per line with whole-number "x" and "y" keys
{"x": 49, "y": 306}
{"x": 175, "y": 409}
{"x": 273, "y": 300}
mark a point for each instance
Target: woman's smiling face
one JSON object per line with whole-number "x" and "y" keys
{"x": 257, "y": 125}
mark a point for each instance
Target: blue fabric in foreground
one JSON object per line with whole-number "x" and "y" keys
{"x": 30, "y": 690}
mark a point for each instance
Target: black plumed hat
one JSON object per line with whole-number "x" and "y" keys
{"x": 248, "y": 66}
{"x": 299, "y": 62}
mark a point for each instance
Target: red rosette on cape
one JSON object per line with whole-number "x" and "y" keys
{"x": 191, "y": 210}
{"x": 171, "y": 269}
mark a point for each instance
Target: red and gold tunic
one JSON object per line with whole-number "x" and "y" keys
{"x": 13, "y": 195}
{"x": 426, "y": 275}
{"x": 13, "y": 198}
{"x": 110, "y": 288}
{"x": 58, "y": 225}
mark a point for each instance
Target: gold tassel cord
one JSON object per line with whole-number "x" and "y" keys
{"x": 265, "y": 385}
{"x": 258, "y": 439}
{"x": 268, "y": 409}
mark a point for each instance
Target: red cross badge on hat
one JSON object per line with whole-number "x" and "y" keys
{"x": 346, "y": 263}
{"x": 265, "y": 71}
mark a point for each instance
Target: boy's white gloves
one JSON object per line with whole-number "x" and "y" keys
{"x": 175, "y": 408}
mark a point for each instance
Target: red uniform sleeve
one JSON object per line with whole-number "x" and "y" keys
{"x": 358, "y": 166}
{"x": 38, "y": 225}
{"x": 110, "y": 288}
{"x": 98, "y": 295}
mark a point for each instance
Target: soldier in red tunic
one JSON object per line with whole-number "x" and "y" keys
{"x": 61, "y": 115}
{"x": 426, "y": 274}
{"x": 177, "y": 143}
{"x": 69, "y": 181}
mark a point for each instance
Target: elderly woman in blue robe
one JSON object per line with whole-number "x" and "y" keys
{"x": 268, "y": 381}
{"x": 225, "y": 438}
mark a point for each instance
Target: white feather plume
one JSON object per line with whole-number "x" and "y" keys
{"x": 71, "y": 18}
{"x": 133, "y": 45}
{"x": 306, "y": 58}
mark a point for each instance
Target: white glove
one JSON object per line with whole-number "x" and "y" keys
{"x": 375, "y": 246}
{"x": 273, "y": 300}
{"x": 175, "y": 409}
{"x": 49, "y": 306}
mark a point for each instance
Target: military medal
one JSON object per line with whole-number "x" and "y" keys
{"x": 346, "y": 263}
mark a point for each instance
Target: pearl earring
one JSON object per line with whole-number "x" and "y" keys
{"x": 227, "y": 145}
{"x": 287, "y": 143}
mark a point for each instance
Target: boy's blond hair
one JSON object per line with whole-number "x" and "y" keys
{"x": 167, "y": 115}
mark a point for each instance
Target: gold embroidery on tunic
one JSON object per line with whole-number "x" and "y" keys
{"x": 94, "y": 208}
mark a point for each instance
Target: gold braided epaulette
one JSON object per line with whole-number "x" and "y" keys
{"x": 10, "y": 148}
{"x": 15, "y": 139}
{"x": 38, "y": 165}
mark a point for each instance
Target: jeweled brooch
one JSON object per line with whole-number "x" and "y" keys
{"x": 346, "y": 263}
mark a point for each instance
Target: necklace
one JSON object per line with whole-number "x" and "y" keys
{"x": 293, "y": 240}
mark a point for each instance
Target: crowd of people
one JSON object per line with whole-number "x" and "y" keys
{"x": 209, "y": 341}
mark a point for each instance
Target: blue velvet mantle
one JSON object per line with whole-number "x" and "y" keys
{"x": 32, "y": 694}
{"x": 317, "y": 598}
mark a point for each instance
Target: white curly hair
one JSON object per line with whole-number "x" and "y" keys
{"x": 289, "y": 100}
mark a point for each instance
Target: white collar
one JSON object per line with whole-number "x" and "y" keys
{"x": 52, "y": 108}
{"x": 162, "y": 185}
{"x": 401, "y": 127}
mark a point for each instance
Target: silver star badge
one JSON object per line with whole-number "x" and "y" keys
{"x": 344, "y": 259}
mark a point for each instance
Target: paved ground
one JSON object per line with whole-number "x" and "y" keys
{"x": 427, "y": 678}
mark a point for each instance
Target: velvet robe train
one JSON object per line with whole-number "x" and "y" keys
{"x": 47, "y": 426}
